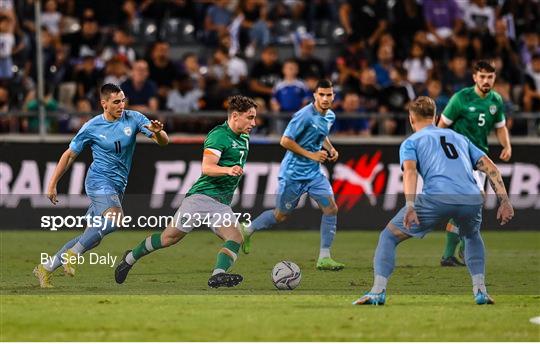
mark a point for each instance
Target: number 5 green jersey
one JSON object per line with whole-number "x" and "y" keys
{"x": 473, "y": 116}
{"x": 232, "y": 149}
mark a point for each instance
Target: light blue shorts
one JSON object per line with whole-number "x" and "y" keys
{"x": 103, "y": 198}
{"x": 432, "y": 213}
{"x": 290, "y": 191}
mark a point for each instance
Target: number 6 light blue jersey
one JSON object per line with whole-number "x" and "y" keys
{"x": 445, "y": 160}
{"x": 112, "y": 144}
{"x": 308, "y": 128}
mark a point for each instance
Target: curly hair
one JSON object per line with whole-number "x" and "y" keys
{"x": 240, "y": 103}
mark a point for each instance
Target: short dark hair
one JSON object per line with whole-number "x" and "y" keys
{"x": 240, "y": 103}
{"x": 423, "y": 106}
{"x": 108, "y": 89}
{"x": 483, "y": 66}
{"x": 323, "y": 83}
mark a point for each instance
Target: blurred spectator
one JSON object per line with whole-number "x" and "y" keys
{"x": 530, "y": 46}
{"x": 479, "y": 17}
{"x": 290, "y": 94}
{"x": 226, "y": 75}
{"x": 87, "y": 40}
{"x": 7, "y": 122}
{"x": 308, "y": 63}
{"x": 395, "y": 98}
{"x": 461, "y": 45}
{"x": 7, "y": 43}
{"x": 191, "y": 66}
{"x": 523, "y": 14}
{"x": 351, "y": 126}
{"x": 121, "y": 47}
{"x": 385, "y": 61}
{"x": 369, "y": 91}
{"x": 183, "y": 98}
{"x": 31, "y": 124}
{"x": 396, "y": 95}
{"x": 443, "y": 19}
{"x": 51, "y": 18}
{"x": 419, "y": 66}
{"x": 139, "y": 90}
{"x": 265, "y": 74}
{"x": 457, "y": 76}
{"x": 408, "y": 19}
{"x": 60, "y": 69}
{"x": 116, "y": 71}
{"x": 531, "y": 92}
{"x": 162, "y": 69}
{"x": 217, "y": 18}
{"x": 350, "y": 62}
{"x": 366, "y": 19}
{"x": 254, "y": 29}
{"x": 88, "y": 79}
{"x": 435, "y": 92}
{"x": 319, "y": 11}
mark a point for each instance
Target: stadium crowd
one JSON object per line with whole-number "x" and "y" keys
{"x": 384, "y": 53}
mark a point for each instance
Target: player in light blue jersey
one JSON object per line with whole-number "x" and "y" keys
{"x": 307, "y": 143}
{"x": 445, "y": 160}
{"x": 111, "y": 136}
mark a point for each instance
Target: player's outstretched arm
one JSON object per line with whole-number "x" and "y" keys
{"x": 293, "y": 146}
{"x": 211, "y": 168}
{"x": 159, "y": 135}
{"x": 410, "y": 180}
{"x": 62, "y": 166}
{"x": 506, "y": 211}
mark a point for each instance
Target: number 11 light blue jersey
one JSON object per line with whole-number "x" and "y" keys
{"x": 445, "y": 160}
{"x": 112, "y": 144}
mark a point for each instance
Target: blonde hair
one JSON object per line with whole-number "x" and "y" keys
{"x": 423, "y": 106}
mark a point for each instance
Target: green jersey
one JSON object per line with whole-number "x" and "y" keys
{"x": 232, "y": 149}
{"x": 473, "y": 116}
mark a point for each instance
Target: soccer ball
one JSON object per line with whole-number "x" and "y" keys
{"x": 286, "y": 275}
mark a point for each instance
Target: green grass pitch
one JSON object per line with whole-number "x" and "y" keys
{"x": 165, "y": 297}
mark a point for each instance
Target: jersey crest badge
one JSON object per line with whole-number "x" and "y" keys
{"x": 127, "y": 131}
{"x": 472, "y": 108}
{"x": 493, "y": 109}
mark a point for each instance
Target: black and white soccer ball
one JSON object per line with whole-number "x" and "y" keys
{"x": 286, "y": 275}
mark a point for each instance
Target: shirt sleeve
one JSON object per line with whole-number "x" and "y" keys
{"x": 474, "y": 153}
{"x": 142, "y": 120}
{"x": 451, "y": 112}
{"x": 215, "y": 143}
{"x": 500, "y": 118}
{"x": 81, "y": 140}
{"x": 407, "y": 151}
{"x": 295, "y": 127}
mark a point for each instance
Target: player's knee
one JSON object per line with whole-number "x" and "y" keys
{"x": 331, "y": 210}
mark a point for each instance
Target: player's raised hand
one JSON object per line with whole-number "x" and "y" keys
{"x": 410, "y": 218}
{"x": 506, "y": 154}
{"x": 52, "y": 194}
{"x": 505, "y": 213}
{"x": 235, "y": 171}
{"x": 319, "y": 156}
{"x": 333, "y": 156}
{"x": 155, "y": 126}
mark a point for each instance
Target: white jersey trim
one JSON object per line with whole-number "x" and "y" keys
{"x": 500, "y": 124}
{"x": 215, "y": 152}
{"x": 446, "y": 120}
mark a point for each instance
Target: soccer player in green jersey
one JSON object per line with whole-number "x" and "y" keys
{"x": 474, "y": 112}
{"x": 208, "y": 201}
